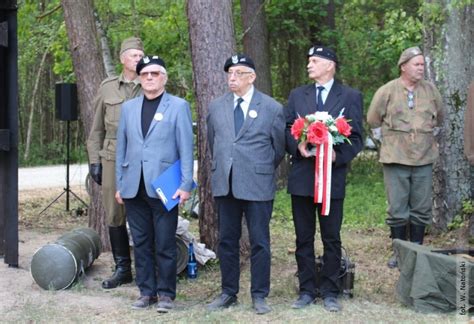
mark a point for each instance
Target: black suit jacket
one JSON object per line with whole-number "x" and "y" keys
{"x": 301, "y": 102}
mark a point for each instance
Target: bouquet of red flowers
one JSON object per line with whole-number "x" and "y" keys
{"x": 322, "y": 131}
{"x": 315, "y": 128}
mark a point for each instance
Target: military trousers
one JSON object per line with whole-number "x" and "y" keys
{"x": 115, "y": 213}
{"x": 409, "y": 194}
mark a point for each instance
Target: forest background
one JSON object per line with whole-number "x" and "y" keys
{"x": 367, "y": 35}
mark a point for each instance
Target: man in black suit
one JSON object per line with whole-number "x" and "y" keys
{"x": 329, "y": 95}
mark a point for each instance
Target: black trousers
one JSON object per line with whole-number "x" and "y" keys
{"x": 304, "y": 218}
{"x": 257, "y": 215}
{"x": 153, "y": 230}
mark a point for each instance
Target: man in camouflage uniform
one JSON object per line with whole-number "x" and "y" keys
{"x": 408, "y": 109}
{"x": 101, "y": 148}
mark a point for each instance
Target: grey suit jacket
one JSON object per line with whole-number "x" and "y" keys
{"x": 253, "y": 155}
{"x": 169, "y": 138}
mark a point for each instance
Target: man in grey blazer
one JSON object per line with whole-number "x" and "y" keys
{"x": 246, "y": 133}
{"x": 155, "y": 130}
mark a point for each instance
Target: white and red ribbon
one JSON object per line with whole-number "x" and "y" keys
{"x": 322, "y": 175}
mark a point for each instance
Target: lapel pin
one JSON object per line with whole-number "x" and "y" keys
{"x": 158, "y": 116}
{"x": 253, "y": 114}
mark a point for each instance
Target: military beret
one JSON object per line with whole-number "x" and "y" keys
{"x": 323, "y": 52}
{"x": 131, "y": 43}
{"x": 147, "y": 60}
{"x": 238, "y": 59}
{"x": 408, "y": 54}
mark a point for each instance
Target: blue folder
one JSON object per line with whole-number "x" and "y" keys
{"x": 167, "y": 183}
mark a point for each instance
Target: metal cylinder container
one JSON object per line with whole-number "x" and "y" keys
{"x": 181, "y": 255}
{"x": 58, "y": 265}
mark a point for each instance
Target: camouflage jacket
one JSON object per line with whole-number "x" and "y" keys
{"x": 112, "y": 93}
{"x": 407, "y": 134}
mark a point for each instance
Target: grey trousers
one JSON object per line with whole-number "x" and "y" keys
{"x": 409, "y": 194}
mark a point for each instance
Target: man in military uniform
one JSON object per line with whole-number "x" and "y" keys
{"x": 101, "y": 147}
{"x": 408, "y": 109}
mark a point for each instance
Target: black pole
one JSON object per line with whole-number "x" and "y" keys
{"x": 68, "y": 130}
{"x": 9, "y": 133}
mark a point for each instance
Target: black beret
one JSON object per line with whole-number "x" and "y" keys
{"x": 323, "y": 52}
{"x": 238, "y": 59}
{"x": 147, "y": 60}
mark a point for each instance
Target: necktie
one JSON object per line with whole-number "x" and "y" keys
{"x": 238, "y": 116}
{"x": 320, "y": 103}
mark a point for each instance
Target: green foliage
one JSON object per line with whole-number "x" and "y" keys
{"x": 62, "y": 56}
{"x": 365, "y": 202}
{"x": 41, "y": 31}
{"x": 467, "y": 211}
{"x": 53, "y": 153}
{"x": 364, "y": 205}
{"x": 162, "y": 25}
{"x": 370, "y": 38}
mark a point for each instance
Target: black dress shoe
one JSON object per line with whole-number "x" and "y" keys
{"x": 222, "y": 301}
{"x": 331, "y": 304}
{"x": 260, "y": 305}
{"x": 144, "y": 302}
{"x": 302, "y": 301}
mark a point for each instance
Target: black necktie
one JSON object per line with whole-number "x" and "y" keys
{"x": 320, "y": 103}
{"x": 238, "y": 116}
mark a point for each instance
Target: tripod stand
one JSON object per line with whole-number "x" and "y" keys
{"x": 66, "y": 190}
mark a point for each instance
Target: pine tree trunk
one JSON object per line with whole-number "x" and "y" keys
{"x": 211, "y": 34}
{"x": 256, "y": 43}
{"x": 89, "y": 71}
{"x": 449, "y": 53}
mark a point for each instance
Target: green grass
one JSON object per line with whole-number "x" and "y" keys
{"x": 365, "y": 203}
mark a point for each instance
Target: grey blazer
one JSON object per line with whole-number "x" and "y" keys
{"x": 253, "y": 155}
{"x": 169, "y": 138}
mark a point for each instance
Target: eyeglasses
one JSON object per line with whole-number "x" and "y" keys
{"x": 238, "y": 74}
{"x": 411, "y": 99}
{"x": 154, "y": 74}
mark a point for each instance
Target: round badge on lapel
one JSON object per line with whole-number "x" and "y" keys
{"x": 158, "y": 116}
{"x": 253, "y": 114}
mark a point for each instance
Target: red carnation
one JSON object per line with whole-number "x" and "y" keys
{"x": 298, "y": 127}
{"x": 317, "y": 133}
{"x": 343, "y": 126}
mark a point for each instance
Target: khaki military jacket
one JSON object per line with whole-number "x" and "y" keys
{"x": 407, "y": 134}
{"x": 111, "y": 94}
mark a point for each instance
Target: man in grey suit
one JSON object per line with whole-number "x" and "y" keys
{"x": 246, "y": 133}
{"x": 155, "y": 130}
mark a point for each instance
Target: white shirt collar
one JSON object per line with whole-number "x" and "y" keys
{"x": 247, "y": 97}
{"x": 327, "y": 86}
